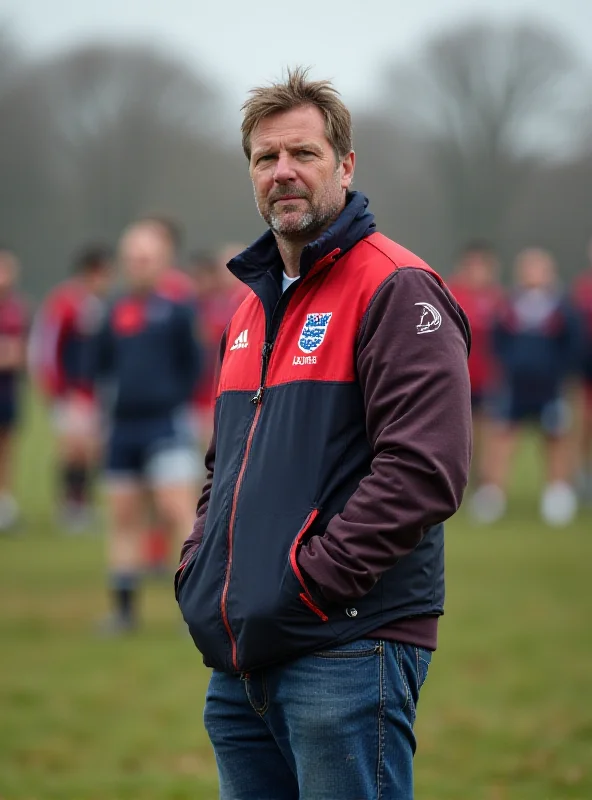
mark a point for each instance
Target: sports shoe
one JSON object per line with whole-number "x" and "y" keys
{"x": 76, "y": 518}
{"x": 559, "y": 504}
{"x": 114, "y": 625}
{"x": 488, "y": 504}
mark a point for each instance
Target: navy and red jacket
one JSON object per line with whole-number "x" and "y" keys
{"x": 61, "y": 339}
{"x": 342, "y": 441}
{"x": 14, "y": 323}
{"x": 146, "y": 356}
{"x": 538, "y": 340}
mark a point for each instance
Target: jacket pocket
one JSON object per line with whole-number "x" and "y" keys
{"x": 305, "y": 595}
{"x": 183, "y": 571}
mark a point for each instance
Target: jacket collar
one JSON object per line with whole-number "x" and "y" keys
{"x": 263, "y": 258}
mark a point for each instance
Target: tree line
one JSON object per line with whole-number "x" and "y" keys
{"x": 485, "y": 133}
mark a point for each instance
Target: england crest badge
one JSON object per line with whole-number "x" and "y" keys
{"x": 313, "y": 332}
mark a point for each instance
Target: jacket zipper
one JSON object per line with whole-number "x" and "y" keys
{"x": 305, "y": 595}
{"x": 239, "y": 480}
{"x": 257, "y": 399}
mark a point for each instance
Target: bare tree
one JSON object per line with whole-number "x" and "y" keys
{"x": 114, "y": 110}
{"x": 391, "y": 168}
{"x": 109, "y": 132}
{"x": 489, "y": 100}
{"x": 25, "y": 184}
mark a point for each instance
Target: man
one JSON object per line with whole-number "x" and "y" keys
{"x": 178, "y": 286}
{"x": 582, "y": 299}
{"x": 146, "y": 362}
{"x": 476, "y": 288}
{"x": 475, "y": 285}
{"x": 63, "y": 329}
{"x": 13, "y": 333}
{"x": 174, "y": 283}
{"x": 313, "y": 579}
{"x": 218, "y": 297}
{"x": 537, "y": 341}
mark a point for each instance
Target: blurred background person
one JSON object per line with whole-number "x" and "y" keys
{"x": 176, "y": 285}
{"x": 146, "y": 362}
{"x": 218, "y": 295}
{"x": 537, "y": 341}
{"x": 475, "y": 284}
{"x": 174, "y": 282}
{"x": 214, "y": 315}
{"x": 63, "y": 330}
{"x": 13, "y": 333}
{"x": 582, "y": 299}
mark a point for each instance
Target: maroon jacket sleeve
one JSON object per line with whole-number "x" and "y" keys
{"x": 418, "y": 419}
{"x": 194, "y": 539}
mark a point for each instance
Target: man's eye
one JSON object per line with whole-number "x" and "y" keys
{"x": 266, "y": 157}
{"x": 306, "y": 154}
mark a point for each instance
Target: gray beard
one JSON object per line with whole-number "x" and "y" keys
{"x": 309, "y": 224}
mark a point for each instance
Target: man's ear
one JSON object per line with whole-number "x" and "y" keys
{"x": 347, "y": 167}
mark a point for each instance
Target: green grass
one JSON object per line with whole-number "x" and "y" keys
{"x": 506, "y": 712}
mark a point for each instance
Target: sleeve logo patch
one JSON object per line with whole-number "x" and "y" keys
{"x": 430, "y": 319}
{"x": 313, "y": 332}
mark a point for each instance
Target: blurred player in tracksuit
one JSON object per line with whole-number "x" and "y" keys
{"x": 537, "y": 340}
{"x": 146, "y": 362}
{"x": 218, "y": 295}
{"x": 582, "y": 299}
{"x": 63, "y": 329}
{"x": 13, "y": 333}
{"x": 475, "y": 284}
{"x": 174, "y": 284}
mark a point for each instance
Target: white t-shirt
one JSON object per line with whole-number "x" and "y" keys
{"x": 288, "y": 281}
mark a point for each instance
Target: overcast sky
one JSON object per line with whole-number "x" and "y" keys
{"x": 240, "y": 44}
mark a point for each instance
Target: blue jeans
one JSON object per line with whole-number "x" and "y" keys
{"x": 336, "y": 725}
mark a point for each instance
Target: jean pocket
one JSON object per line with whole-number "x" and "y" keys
{"x": 423, "y": 659}
{"x": 361, "y": 648}
{"x": 409, "y": 666}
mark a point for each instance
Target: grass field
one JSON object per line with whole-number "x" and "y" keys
{"x": 506, "y": 712}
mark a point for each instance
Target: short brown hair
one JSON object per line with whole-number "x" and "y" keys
{"x": 92, "y": 258}
{"x": 297, "y": 91}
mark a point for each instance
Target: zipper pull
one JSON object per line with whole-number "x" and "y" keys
{"x": 266, "y": 352}
{"x": 257, "y": 398}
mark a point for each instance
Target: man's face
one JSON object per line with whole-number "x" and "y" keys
{"x": 100, "y": 279}
{"x": 535, "y": 269}
{"x": 299, "y": 184}
{"x": 479, "y": 269}
{"x": 8, "y": 271}
{"x": 145, "y": 255}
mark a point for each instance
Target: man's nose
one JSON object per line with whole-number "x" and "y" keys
{"x": 284, "y": 169}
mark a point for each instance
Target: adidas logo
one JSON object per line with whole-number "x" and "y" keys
{"x": 242, "y": 340}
